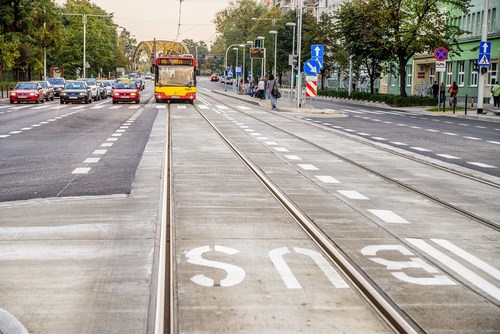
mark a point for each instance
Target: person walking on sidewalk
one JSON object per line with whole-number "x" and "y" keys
{"x": 495, "y": 91}
{"x": 261, "y": 86}
{"x": 272, "y": 90}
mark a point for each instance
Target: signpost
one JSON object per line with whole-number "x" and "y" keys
{"x": 440, "y": 54}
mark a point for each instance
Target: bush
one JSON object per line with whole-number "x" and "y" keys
{"x": 392, "y": 100}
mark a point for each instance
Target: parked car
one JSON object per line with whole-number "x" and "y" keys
{"x": 92, "y": 83}
{"x": 58, "y": 84}
{"x": 102, "y": 90}
{"x": 27, "y": 91}
{"x": 76, "y": 91}
{"x": 214, "y": 77}
{"x": 48, "y": 90}
{"x": 126, "y": 92}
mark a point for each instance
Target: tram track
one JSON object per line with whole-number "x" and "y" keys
{"x": 435, "y": 199}
{"x": 392, "y": 315}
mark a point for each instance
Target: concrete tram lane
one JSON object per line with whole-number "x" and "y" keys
{"x": 84, "y": 264}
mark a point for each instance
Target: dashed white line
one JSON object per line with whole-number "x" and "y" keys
{"x": 280, "y": 149}
{"x": 480, "y": 164}
{"x": 389, "y": 217}
{"x": 472, "y": 138}
{"x": 421, "y": 149}
{"x": 327, "y": 179}
{"x": 293, "y": 157}
{"x": 351, "y": 194}
{"x": 81, "y": 170}
{"x": 447, "y": 156}
{"x": 106, "y": 144}
{"x": 450, "y": 133}
{"x": 97, "y": 152}
{"x": 308, "y": 167}
{"x": 493, "y": 142}
{"x": 92, "y": 160}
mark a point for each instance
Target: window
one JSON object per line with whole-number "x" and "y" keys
{"x": 461, "y": 73}
{"x": 408, "y": 75}
{"x": 449, "y": 73}
{"x": 492, "y": 73}
{"x": 473, "y": 73}
{"x": 432, "y": 75}
{"x": 473, "y": 24}
{"x": 492, "y": 20}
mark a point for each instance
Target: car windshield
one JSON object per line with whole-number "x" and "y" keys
{"x": 43, "y": 84}
{"x": 107, "y": 83}
{"x": 75, "y": 85}
{"x": 126, "y": 85}
{"x": 91, "y": 82}
{"x": 25, "y": 85}
{"x": 56, "y": 81}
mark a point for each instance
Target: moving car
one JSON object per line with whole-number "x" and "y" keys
{"x": 140, "y": 84}
{"x": 58, "y": 84}
{"x": 102, "y": 90}
{"x": 214, "y": 77}
{"x": 108, "y": 84}
{"x": 27, "y": 91}
{"x": 48, "y": 90}
{"x": 126, "y": 92}
{"x": 148, "y": 76}
{"x": 96, "y": 92}
{"x": 76, "y": 91}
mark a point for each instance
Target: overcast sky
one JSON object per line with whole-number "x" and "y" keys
{"x": 148, "y": 19}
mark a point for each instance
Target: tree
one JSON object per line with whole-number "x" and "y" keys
{"x": 326, "y": 35}
{"x": 362, "y": 34}
{"x": 417, "y": 26}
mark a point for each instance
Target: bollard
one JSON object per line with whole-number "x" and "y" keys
{"x": 466, "y": 99}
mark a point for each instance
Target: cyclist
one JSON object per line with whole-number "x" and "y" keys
{"x": 454, "y": 91}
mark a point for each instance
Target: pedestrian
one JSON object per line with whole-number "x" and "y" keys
{"x": 260, "y": 88}
{"x": 442, "y": 92}
{"x": 495, "y": 91}
{"x": 435, "y": 89}
{"x": 453, "y": 90}
{"x": 272, "y": 90}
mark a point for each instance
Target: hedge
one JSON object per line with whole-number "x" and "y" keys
{"x": 392, "y": 100}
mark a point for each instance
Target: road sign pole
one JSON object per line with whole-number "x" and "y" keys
{"x": 482, "y": 77}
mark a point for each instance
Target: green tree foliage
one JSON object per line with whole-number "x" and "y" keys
{"x": 417, "y": 26}
{"x": 363, "y": 37}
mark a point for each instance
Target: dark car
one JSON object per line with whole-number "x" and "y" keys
{"x": 102, "y": 90}
{"x": 48, "y": 90}
{"x": 76, "y": 91}
{"x": 27, "y": 91}
{"x": 58, "y": 84}
{"x": 140, "y": 84}
{"x": 126, "y": 92}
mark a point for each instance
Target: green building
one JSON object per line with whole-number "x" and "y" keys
{"x": 460, "y": 67}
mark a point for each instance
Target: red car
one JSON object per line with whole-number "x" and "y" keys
{"x": 214, "y": 77}
{"x": 126, "y": 92}
{"x": 27, "y": 92}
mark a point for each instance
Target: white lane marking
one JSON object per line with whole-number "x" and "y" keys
{"x": 389, "y": 217}
{"x": 447, "y": 156}
{"x": 351, "y": 194}
{"x": 363, "y": 134}
{"x": 398, "y": 143}
{"x": 271, "y": 143}
{"x": 480, "y": 127}
{"x": 124, "y": 127}
{"x": 431, "y": 130}
{"x": 92, "y": 160}
{"x": 204, "y": 107}
{"x": 106, "y": 144}
{"x": 386, "y": 122}
{"x": 262, "y": 138}
{"x": 25, "y": 129}
{"x": 96, "y": 152}
{"x": 255, "y": 134}
{"x": 137, "y": 107}
{"x": 450, "y": 133}
{"x": 15, "y": 132}
{"x": 81, "y": 170}
{"x": 480, "y": 164}
{"x": 118, "y": 131}
{"x": 112, "y": 139}
{"x": 222, "y": 107}
{"x": 115, "y": 107}
{"x": 327, "y": 179}
{"x": 469, "y": 257}
{"x": 493, "y": 142}
{"x": 244, "y": 108}
{"x": 421, "y": 149}
{"x": 349, "y": 130}
{"x": 472, "y": 138}
{"x": 249, "y": 130}
{"x": 181, "y": 107}
{"x": 116, "y": 134}
{"x": 97, "y": 107}
{"x": 463, "y": 124}
{"x": 401, "y": 124}
{"x": 293, "y": 157}
{"x": 454, "y": 265}
{"x": 243, "y": 126}
{"x": 415, "y": 127}
{"x": 379, "y": 138}
{"x": 4, "y": 136}
{"x": 308, "y": 167}
{"x": 280, "y": 149}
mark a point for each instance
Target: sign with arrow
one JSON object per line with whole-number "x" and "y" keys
{"x": 317, "y": 52}
{"x": 311, "y": 67}
{"x": 484, "y": 54}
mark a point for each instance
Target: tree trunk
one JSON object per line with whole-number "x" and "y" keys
{"x": 402, "y": 76}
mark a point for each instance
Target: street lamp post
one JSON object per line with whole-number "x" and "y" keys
{"x": 251, "y": 62}
{"x": 292, "y": 24}
{"x": 275, "y": 33}
{"x": 84, "y": 21}
{"x": 299, "y": 51}
{"x": 243, "y": 66}
{"x": 235, "y": 74}
{"x": 225, "y": 65}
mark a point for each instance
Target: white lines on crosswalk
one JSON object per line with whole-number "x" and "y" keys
{"x": 91, "y": 160}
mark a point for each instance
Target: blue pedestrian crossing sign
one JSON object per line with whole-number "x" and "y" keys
{"x": 484, "y": 54}
{"x": 238, "y": 70}
{"x": 230, "y": 73}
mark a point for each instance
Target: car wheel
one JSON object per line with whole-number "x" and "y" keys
{"x": 87, "y": 100}
{"x": 137, "y": 102}
{"x": 52, "y": 98}
{"x": 11, "y": 102}
{"x": 62, "y": 101}
{"x": 115, "y": 102}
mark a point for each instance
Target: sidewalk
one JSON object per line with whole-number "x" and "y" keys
{"x": 284, "y": 104}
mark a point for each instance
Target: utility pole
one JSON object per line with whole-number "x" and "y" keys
{"x": 482, "y": 77}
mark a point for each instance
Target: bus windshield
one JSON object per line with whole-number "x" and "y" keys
{"x": 175, "y": 76}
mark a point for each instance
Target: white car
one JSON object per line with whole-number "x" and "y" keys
{"x": 92, "y": 83}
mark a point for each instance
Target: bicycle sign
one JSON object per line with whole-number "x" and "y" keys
{"x": 441, "y": 54}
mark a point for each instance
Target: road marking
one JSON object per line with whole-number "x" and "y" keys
{"x": 472, "y": 138}
{"x": 379, "y": 138}
{"x": 81, "y": 170}
{"x": 461, "y": 270}
{"x": 115, "y": 107}
{"x": 293, "y": 157}
{"x": 15, "y": 132}
{"x": 363, "y": 134}
{"x": 415, "y": 127}
{"x": 421, "y": 149}
{"x": 481, "y": 127}
{"x": 112, "y": 139}
{"x": 327, "y": 179}
{"x": 431, "y": 130}
{"x": 25, "y": 129}
{"x": 120, "y": 131}
{"x": 398, "y": 143}
{"x": 480, "y": 164}
{"x": 116, "y": 135}
{"x": 493, "y": 142}
{"x": 4, "y": 136}
{"x": 280, "y": 149}
{"x": 450, "y": 133}
{"x": 92, "y": 160}
{"x": 349, "y": 130}
{"x": 262, "y": 138}
{"x": 308, "y": 167}
{"x": 271, "y": 143}
{"x": 249, "y": 130}
{"x": 222, "y": 107}
{"x": 99, "y": 152}
{"x": 106, "y": 144}
{"x": 351, "y": 194}
{"x": 244, "y": 108}
{"x": 204, "y": 107}
{"x": 389, "y": 217}
{"x": 97, "y": 107}
{"x": 447, "y": 156}
{"x": 255, "y": 134}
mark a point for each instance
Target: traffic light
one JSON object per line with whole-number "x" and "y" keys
{"x": 257, "y": 43}
{"x": 203, "y": 55}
